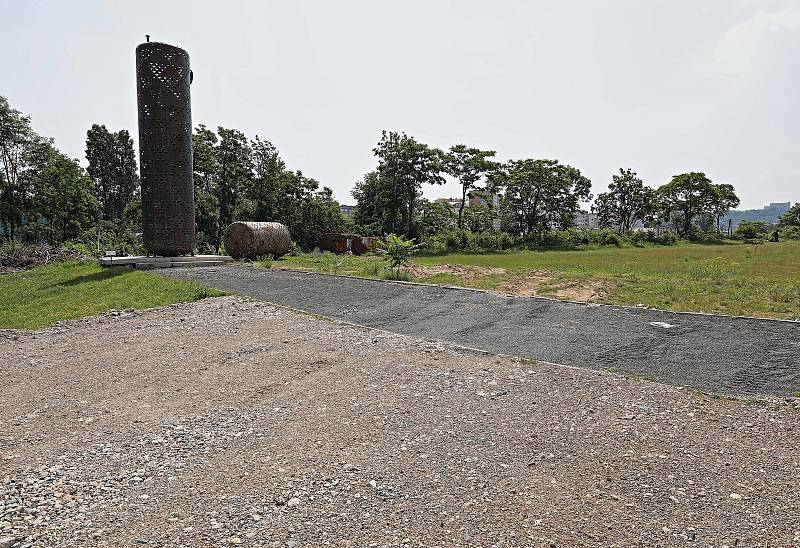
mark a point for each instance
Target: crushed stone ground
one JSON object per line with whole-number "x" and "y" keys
{"x": 232, "y": 422}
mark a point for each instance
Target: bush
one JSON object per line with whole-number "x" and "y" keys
{"x": 790, "y": 233}
{"x": 397, "y": 250}
{"x": 112, "y": 237}
{"x": 465, "y": 240}
{"x": 605, "y": 236}
{"x": 667, "y": 238}
{"x": 639, "y": 238}
{"x": 573, "y": 238}
{"x": 750, "y": 230}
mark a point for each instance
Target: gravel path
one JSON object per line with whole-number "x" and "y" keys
{"x": 231, "y": 422}
{"x": 712, "y": 353}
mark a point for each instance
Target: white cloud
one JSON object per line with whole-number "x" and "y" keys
{"x": 738, "y": 46}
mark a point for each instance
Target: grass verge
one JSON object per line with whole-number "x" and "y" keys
{"x": 63, "y": 291}
{"x": 737, "y": 279}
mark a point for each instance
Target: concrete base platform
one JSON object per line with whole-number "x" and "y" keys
{"x": 144, "y": 262}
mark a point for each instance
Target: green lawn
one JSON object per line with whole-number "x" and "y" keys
{"x": 738, "y": 279}
{"x": 62, "y": 291}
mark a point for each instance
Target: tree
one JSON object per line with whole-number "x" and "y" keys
{"x": 791, "y": 217}
{"x": 433, "y": 217}
{"x": 112, "y": 168}
{"x": 404, "y": 165}
{"x": 539, "y": 193}
{"x": 688, "y": 194}
{"x": 371, "y": 194}
{"x": 479, "y": 218}
{"x": 627, "y": 202}
{"x": 264, "y": 187}
{"x": 468, "y": 165}
{"x": 19, "y": 148}
{"x": 307, "y": 211}
{"x": 722, "y": 200}
{"x": 234, "y": 159}
{"x": 63, "y": 199}
{"x": 204, "y": 169}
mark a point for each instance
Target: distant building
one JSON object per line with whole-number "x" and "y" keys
{"x": 347, "y": 209}
{"x": 482, "y": 198}
{"x": 585, "y": 219}
{"x": 768, "y": 214}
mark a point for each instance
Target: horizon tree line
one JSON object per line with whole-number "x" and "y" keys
{"x": 55, "y": 199}
{"x": 536, "y": 194}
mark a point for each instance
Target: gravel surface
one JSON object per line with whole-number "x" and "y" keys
{"x": 232, "y": 422}
{"x": 711, "y": 353}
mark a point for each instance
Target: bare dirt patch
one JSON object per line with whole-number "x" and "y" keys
{"x": 544, "y": 283}
{"x": 462, "y": 271}
{"x": 16, "y": 258}
{"x": 232, "y": 422}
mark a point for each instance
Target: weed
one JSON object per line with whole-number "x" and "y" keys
{"x": 397, "y": 275}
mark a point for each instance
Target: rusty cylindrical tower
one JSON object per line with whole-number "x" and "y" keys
{"x": 165, "y": 148}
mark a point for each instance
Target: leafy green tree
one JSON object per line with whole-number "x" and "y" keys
{"x": 205, "y": 168}
{"x": 722, "y": 200}
{"x": 688, "y": 195}
{"x": 468, "y": 166}
{"x": 63, "y": 199}
{"x": 479, "y": 218}
{"x": 372, "y": 203}
{"x": 433, "y": 217}
{"x": 112, "y": 168}
{"x": 404, "y": 165}
{"x": 627, "y": 202}
{"x": 264, "y": 187}
{"x": 540, "y": 193}
{"x": 791, "y": 217}
{"x": 306, "y": 210}
{"x": 21, "y": 150}
{"x": 234, "y": 171}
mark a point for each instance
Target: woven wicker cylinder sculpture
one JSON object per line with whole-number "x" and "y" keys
{"x": 165, "y": 148}
{"x": 249, "y": 240}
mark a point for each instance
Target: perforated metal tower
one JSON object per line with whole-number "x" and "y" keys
{"x": 165, "y": 148}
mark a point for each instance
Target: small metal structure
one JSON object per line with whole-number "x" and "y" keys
{"x": 347, "y": 243}
{"x": 165, "y": 148}
{"x": 250, "y": 240}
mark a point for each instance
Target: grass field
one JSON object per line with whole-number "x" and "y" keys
{"x": 739, "y": 279}
{"x": 63, "y": 291}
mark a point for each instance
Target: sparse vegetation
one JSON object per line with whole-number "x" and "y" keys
{"x": 736, "y": 279}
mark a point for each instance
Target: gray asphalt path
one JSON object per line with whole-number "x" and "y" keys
{"x": 712, "y": 353}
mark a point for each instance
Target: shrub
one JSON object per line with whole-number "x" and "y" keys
{"x": 750, "y": 230}
{"x": 669, "y": 237}
{"x": 466, "y": 240}
{"x": 790, "y": 233}
{"x": 397, "y": 250}
{"x": 604, "y": 236}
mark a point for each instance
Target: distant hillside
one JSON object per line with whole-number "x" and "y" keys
{"x": 768, "y": 214}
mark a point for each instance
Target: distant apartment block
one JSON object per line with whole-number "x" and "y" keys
{"x": 585, "y": 219}
{"x": 347, "y": 209}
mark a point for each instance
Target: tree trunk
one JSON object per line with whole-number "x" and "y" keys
{"x": 461, "y": 208}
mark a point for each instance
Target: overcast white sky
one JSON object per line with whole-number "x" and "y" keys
{"x": 661, "y": 86}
